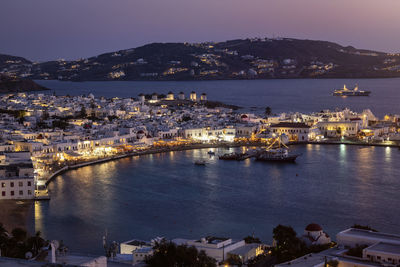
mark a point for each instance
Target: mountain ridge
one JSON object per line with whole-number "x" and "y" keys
{"x": 256, "y": 58}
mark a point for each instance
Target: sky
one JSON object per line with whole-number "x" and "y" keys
{"x": 51, "y": 29}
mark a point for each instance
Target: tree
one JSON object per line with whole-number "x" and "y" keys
{"x": 19, "y": 243}
{"x": 251, "y": 239}
{"x": 288, "y": 245}
{"x": 268, "y": 111}
{"x": 167, "y": 254}
{"x": 45, "y": 115}
{"x": 82, "y": 113}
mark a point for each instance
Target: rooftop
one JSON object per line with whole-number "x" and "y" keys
{"x": 385, "y": 248}
{"x": 373, "y": 235}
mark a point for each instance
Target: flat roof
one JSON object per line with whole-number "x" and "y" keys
{"x": 370, "y": 234}
{"x": 385, "y": 248}
{"x": 305, "y": 261}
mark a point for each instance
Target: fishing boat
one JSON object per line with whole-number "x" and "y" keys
{"x": 234, "y": 156}
{"x": 200, "y": 162}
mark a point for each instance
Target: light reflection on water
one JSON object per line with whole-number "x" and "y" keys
{"x": 167, "y": 195}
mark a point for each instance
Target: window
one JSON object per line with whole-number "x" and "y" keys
{"x": 29, "y": 183}
{"x": 3, "y": 193}
{"x": 29, "y": 192}
{"x": 20, "y": 184}
{"x": 12, "y": 193}
{"x": 3, "y": 185}
{"x": 12, "y": 184}
{"x": 21, "y": 192}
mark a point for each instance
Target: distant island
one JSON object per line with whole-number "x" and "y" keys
{"x": 13, "y": 85}
{"x": 256, "y": 58}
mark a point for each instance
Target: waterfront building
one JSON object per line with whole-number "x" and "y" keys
{"x": 378, "y": 250}
{"x": 128, "y": 247}
{"x": 295, "y": 131}
{"x": 338, "y": 128}
{"x": 352, "y": 237}
{"x": 193, "y": 96}
{"x": 17, "y": 181}
{"x": 315, "y": 235}
{"x": 215, "y": 247}
{"x": 170, "y": 96}
{"x": 142, "y": 98}
{"x": 203, "y": 97}
{"x": 181, "y": 96}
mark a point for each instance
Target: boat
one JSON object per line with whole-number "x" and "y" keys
{"x": 212, "y": 153}
{"x": 277, "y": 152}
{"x": 350, "y": 92}
{"x": 200, "y": 162}
{"x": 278, "y": 155}
{"x": 234, "y": 156}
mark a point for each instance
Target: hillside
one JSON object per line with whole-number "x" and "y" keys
{"x": 11, "y": 85}
{"x": 235, "y": 59}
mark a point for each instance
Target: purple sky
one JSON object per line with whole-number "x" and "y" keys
{"x": 51, "y": 29}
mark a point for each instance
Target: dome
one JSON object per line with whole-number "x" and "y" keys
{"x": 313, "y": 227}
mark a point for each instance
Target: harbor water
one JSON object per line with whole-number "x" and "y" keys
{"x": 168, "y": 195}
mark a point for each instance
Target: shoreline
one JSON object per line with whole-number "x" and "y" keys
{"x": 203, "y": 146}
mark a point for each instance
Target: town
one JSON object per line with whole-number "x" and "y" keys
{"x": 44, "y": 135}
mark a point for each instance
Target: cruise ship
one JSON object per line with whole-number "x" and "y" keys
{"x": 350, "y": 92}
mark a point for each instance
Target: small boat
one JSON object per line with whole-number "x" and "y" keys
{"x": 234, "y": 156}
{"x": 350, "y": 92}
{"x": 211, "y": 153}
{"x": 200, "y": 162}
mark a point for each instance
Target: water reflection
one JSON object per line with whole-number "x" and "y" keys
{"x": 166, "y": 194}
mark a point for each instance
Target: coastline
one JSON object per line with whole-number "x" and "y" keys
{"x": 204, "y": 146}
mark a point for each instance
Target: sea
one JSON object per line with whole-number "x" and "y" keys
{"x": 167, "y": 195}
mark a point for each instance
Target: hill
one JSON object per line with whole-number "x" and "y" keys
{"x": 258, "y": 58}
{"x": 11, "y": 85}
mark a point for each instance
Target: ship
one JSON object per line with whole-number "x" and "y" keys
{"x": 350, "y": 92}
{"x": 277, "y": 152}
{"x": 278, "y": 155}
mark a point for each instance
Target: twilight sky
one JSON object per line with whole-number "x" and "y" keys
{"x": 70, "y": 29}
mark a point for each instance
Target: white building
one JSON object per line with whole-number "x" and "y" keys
{"x": 295, "y": 131}
{"x": 17, "y": 181}
{"x": 214, "y": 247}
{"x": 315, "y": 235}
{"x": 193, "y": 96}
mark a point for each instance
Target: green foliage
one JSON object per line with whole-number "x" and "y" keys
{"x": 364, "y": 227}
{"x": 167, "y": 254}
{"x": 186, "y": 118}
{"x": 62, "y": 124}
{"x": 82, "y": 113}
{"x": 288, "y": 245}
{"x": 356, "y": 251}
{"x": 268, "y": 111}
{"x": 18, "y": 243}
{"x": 15, "y": 113}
